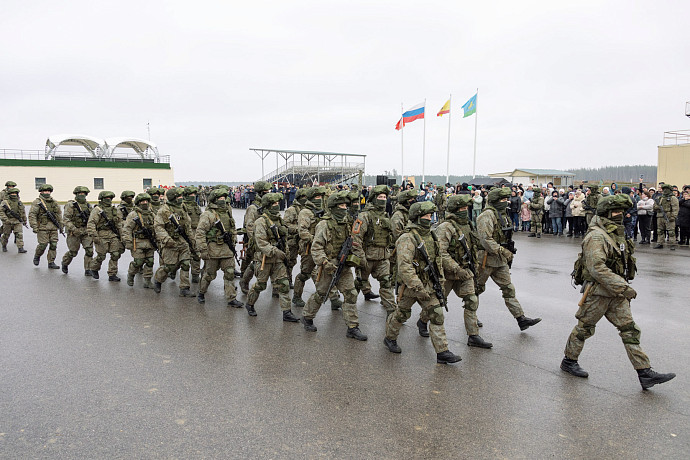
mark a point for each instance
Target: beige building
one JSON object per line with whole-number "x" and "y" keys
{"x": 537, "y": 177}
{"x": 674, "y": 159}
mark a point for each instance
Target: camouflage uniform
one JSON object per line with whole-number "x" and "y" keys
{"x": 669, "y": 203}
{"x": 399, "y": 221}
{"x": 175, "y": 252}
{"x": 536, "y": 207}
{"x": 591, "y": 202}
{"x": 5, "y": 192}
{"x": 290, "y": 220}
{"x": 193, "y": 210}
{"x": 215, "y": 252}
{"x": 47, "y": 232}
{"x": 105, "y": 239}
{"x": 416, "y": 285}
{"x": 440, "y": 202}
{"x": 155, "y": 199}
{"x": 133, "y": 239}
{"x": 10, "y": 223}
{"x": 76, "y": 216}
{"x": 247, "y": 268}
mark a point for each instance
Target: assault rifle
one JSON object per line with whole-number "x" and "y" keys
{"x": 180, "y": 231}
{"x": 509, "y": 244}
{"x": 280, "y": 243}
{"x": 227, "y": 238}
{"x": 14, "y": 214}
{"x": 51, "y": 216}
{"x": 434, "y": 275}
{"x": 662, "y": 209}
{"x": 82, "y": 214}
{"x": 624, "y": 258}
{"x": 148, "y": 234}
{"x": 110, "y": 223}
{"x": 468, "y": 255}
{"x": 345, "y": 250}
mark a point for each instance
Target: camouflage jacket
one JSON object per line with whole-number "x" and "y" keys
{"x": 193, "y": 210}
{"x": 166, "y": 231}
{"x": 372, "y": 235}
{"x": 291, "y": 220}
{"x": 536, "y": 205}
{"x": 455, "y": 265}
{"x": 670, "y": 206}
{"x": 328, "y": 238}
{"x": 123, "y": 210}
{"x": 74, "y": 224}
{"x": 17, "y": 207}
{"x": 591, "y": 202}
{"x": 490, "y": 234}
{"x": 38, "y": 219}
{"x": 399, "y": 221}
{"x": 266, "y": 242}
{"x": 250, "y": 217}
{"x": 410, "y": 263}
{"x": 132, "y": 234}
{"x": 97, "y": 227}
{"x": 306, "y": 226}
{"x": 209, "y": 238}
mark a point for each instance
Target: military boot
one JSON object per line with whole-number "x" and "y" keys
{"x": 659, "y": 246}
{"x": 201, "y": 298}
{"x": 336, "y": 304}
{"x": 371, "y": 296}
{"x": 4, "y": 248}
{"x": 447, "y": 357}
{"x": 130, "y": 279}
{"x": 147, "y": 283}
{"x": 298, "y": 302}
{"x": 392, "y": 345}
{"x": 477, "y": 341}
{"x": 538, "y": 235}
{"x": 65, "y": 269}
{"x": 479, "y": 323}
{"x": 37, "y": 260}
{"x": 156, "y": 287}
{"x": 235, "y": 303}
{"x": 53, "y": 265}
{"x": 21, "y": 251}
{"x": 185, "y": 292}
{"x": 250, "y": 310}
{"x": 87, "y": 272}
{"x": 649, "y": 378}
{"x": 289, "y": 317}
{"x": 532, "y": 235}
{"x": 525, "y": 322}
{"x": 244, "y": 287}
{"x": 423, "y": 330}
{"x": 238, "y": 274}
{"x": 572, "y": 367}
{"x": 195, "y": 279}
{"x": 355, "y": 333}
{"x": 113, "y": 278}
{"x": 94, "y": 274}
{"x": 308, "y": 324}
{"x": 292, "y": 286}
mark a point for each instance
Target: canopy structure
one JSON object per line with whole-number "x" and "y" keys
{"x": 308, "y": 167}
{"x": 93, "y": 145}
{"x": 145, "y": 149}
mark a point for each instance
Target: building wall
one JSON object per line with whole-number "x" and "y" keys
{"x": 674, "y": 164}
{"x": 117, "y": 176}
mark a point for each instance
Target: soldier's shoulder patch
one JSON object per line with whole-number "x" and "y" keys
{"x": 357, "y": 226}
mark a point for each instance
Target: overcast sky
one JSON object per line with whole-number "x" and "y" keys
{"x": 588, "y": 83}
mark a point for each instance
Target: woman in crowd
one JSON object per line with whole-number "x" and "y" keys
{"x": 515, "y": 203}
{"x": 526, "y": 216}
{"x": 556, "y": 204}
{"x": 684, "y": 218}
{"x": 578, "y": 209}
{"x": 569, "y": 214}
{"x": 644, "y": 215}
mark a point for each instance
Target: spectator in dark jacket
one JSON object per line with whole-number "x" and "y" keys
{"x": 683, "y": 219}
{"x": 569, "y": 213}
{"x": 515, "y": 203}
{"x": 556, "y": 206}
{"x": 630, "y": 216}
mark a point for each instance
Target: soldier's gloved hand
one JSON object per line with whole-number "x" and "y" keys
{"x": 170, "y": 243}
{"x": 278, "y": 254}
{"x": 422, "y": 295}
{"x": 506, "y": 253}
{"x": 629, "y": 293}
{"x": 329, "y": 268}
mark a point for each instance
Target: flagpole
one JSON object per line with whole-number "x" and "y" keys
{"x": 448, "y": 155}
{"x": 424, "y": 143}
{"x": 402, "y": 145}
{"x": 476, "y": 114}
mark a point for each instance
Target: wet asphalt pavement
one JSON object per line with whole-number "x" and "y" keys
{"x": 96, "y": 369}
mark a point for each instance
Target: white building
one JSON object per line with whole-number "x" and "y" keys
{"x": 537, "y": 177}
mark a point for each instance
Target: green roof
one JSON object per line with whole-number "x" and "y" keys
{"x": 85, "y": 164}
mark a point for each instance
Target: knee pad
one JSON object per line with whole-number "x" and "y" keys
{"x": 138, "y": 262}
{"x": 350, "y": 296}
{"x": 41, "y": 247}
{"x": 386, "y": 282}
{"x": 72, "y": 254}
{"x": 303, "y": 277}
{"x": 403, "y": 315}
{"x": 88, "y": 252}
{"x": 184, "y": 265}
{"x": 470, "y": 302}
{"x": 283, "y": 285}
{"x": 115, "y": 255}
{"x": 170, "y": 268}
{"x": 436, "y": 316}
{"x": 479, "y": 289}
{"x": 100, "y": 257}
{"x": 53, "y": 245}
{"x": 229, "y": 274}
{"x": 630, "y": 333}
{"x": 584, "y": 331}
{"x": 259, "y": 286}
{"x": 508, "y": 291}
{"x": 149, "y": 261}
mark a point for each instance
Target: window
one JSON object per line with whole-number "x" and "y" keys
{"x": 556, "y": 181}
{"x": 39, "y": 181}
{"x": 147, "y": 183}
{"x": 98, "y": 183}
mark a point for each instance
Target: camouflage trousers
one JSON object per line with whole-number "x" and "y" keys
{"x": 431, "y": 310}
{"x": 277, "y": 273}
{"x": 74, "y": 242}
{"x": 535, "y": 222}
{"x": 306, "y": 271}
{"x": 617, "y": 311}
{"x": 47, "y": 239}
{"x": 470, "y": 301}
{"x": 173, "y": 259}
{"x": 362, "y": 281}
{"x": 142, "y": 260}
{"x": 247, "y": 267}
{"x": 104, "y": 247}
{"x": 381, "y": 271}
{"x": 7, "y": 229}
{"x": 211, "y": 267}
{"x": 662, "y": 227}
{"x": 292, "y": 253}
{"x": 346, "y": 285}
{"x": 501, "y": 276}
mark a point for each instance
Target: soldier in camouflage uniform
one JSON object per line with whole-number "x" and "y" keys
{"x": 536, "y": 207}
{"x": 156, "y": 202}
{"x": 372, "y": 240}
{"x": 416, "y": 286}
{"x": 591, "y": 201}
{"x": 13, "y": 217}
{"x": 106, "y": 240}
{"x": 261, "y": 188}
{"x": 329, "y": 236}
{"x": 215, "y": 252}
{"x": 175, "y": 251}
{"x": 399, "y": 221}
{"x": 126, "y": 204}
{"x": 76, "y": 216}
{"x": 495, "y": 258}
{"x": 670, "y": 206}
{"x": 139, "y": 217}
{"x": 193, "y": 210}
{"x": 606, "y": 265}
{"x": 269, "y": 259}
{"x": 440, "y": 202}
{"x": 5, "y": 192}
{"x": 290, "y": 219}
{"x": 47, "y": 231}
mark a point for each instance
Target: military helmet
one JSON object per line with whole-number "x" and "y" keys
{"x": 155, "y": 191}
{"x": 407, "y": 195}
{"x": 379, "y": 189}
{"x": 189, "y": 190}
{"x": 12, "y": 190}
{"x": 300, "y": 193}
{"x": 314, "y": 191}
{"x": 10, "y": 183}
{"x": 105, "y": 194}
{"x": 127, "y": 193}
{"x": 338, "y": 198}
{"x": 498, "y": 194}
{"x": 396, "y": 187}
{"x": 172, "y": 193}
{"x": 217, "y": 193}
{"x": 421, "y": 208}
{"x": 594, "y": 188}
{"x": 667, "y": 187}
{"x": 440, "y": 188}
{"x": 456, "y": 202}
{"x": 268, "y": 199}
{"x": 45, "y": 187}
{"x": 353, "y": 196}
{"x": 261, "y": 186}
{"x": 610, "y": 203}
{"x": 81, "y": 189}
{"x": 537, "y": 191}
{"x": 142, "y": 197}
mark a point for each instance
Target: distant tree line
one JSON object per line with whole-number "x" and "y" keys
{"x": 628, "y": 173}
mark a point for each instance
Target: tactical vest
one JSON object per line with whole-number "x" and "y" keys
{"x": 125, "y": 210}
{"x": 592, "y": 200}
{"x": 282, "y": 229}
{"x": 181, "y": 218}
{"x": 15, "y": 206}
{"x": 455, "y": 248}
{"x": 155, "y": 206}
{"x": 338, "y": 233}
{"x": 379, "y": 232}
{"x": 498, "y": 234}
{"x": 194, "y": 212}
{"x": 431, "y": 246}
{"x": 111, "y": 213}
{"x": 76, "y": 218}
{"x": 146, "y": 218}
{"x": 665, "y": 204}
{"x": 614, "y": 261}
{"x": 213, "y": 235}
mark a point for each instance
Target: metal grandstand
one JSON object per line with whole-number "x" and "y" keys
{"x": 305, "y": 167}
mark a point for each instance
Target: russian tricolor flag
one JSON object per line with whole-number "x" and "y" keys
{"x": 415, "y": 113}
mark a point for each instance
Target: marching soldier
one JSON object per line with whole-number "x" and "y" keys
{"x": 591, "y": 202}
{"x": 44, "y": 210}
{"x": 417, "y": 287}
{"x": 536, "y": 207}
{"x": 5, "y": 192}
{"x": 103, "y": 227}
{"x": 156, "y": 202}
{"x": 171, "y": 223}
{"x": 215, "y": 226}
{"x": 607, "y": 265}
{"x": 270, "y": 236}
{"x": 126, "y": 204}
{"x": 261, "y": 188}
{"x": 329, "y": 237}
{"x": 666, "y": 208}
{"x": 13, "y": 217}
{"x": 193, "y": 210}
{"x": 137, "y": 235}
{"x": 290, "y": 219}
{"x": 496, "y": 259}
{"x": 440, "y": 202}
{"x": 76, "y": 216}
